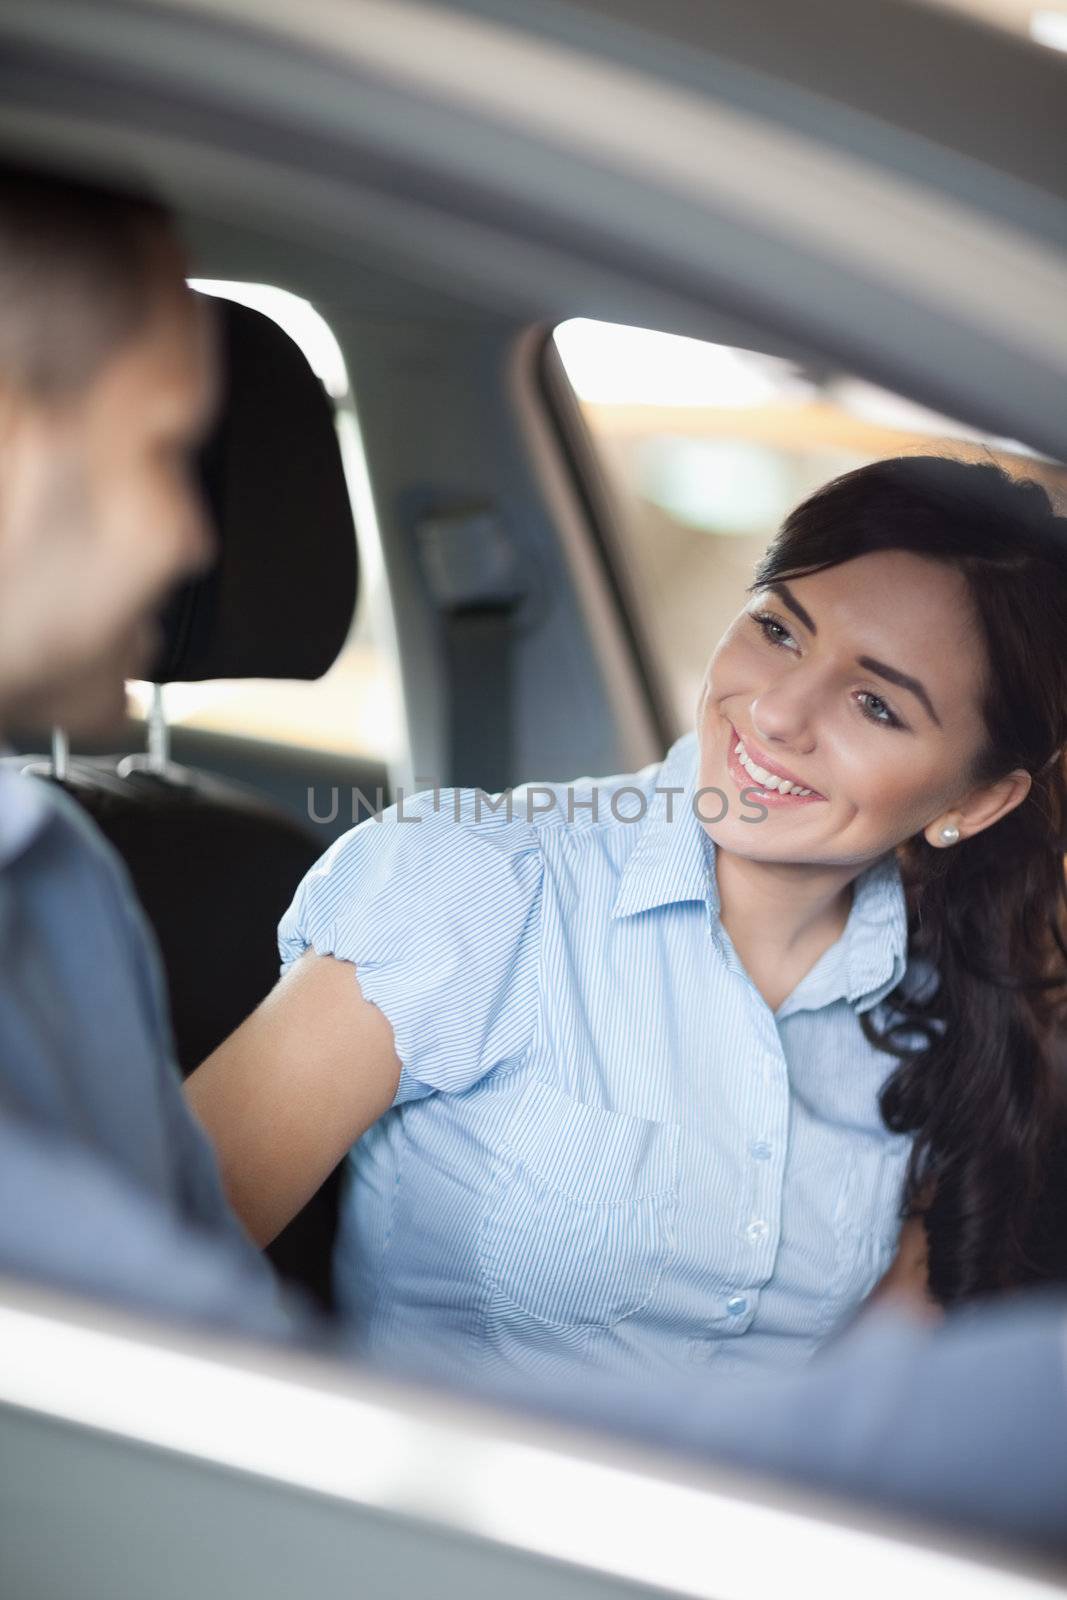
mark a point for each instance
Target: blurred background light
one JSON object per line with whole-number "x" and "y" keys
{"x": 719, "y": 485}
{"x": 608, "y": 362}
{"x": 1045, "y": 25}
{"x": 885, "y": 409}
{"x": 1049, "y": 27}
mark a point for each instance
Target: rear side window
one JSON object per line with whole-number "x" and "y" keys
{"x": 706, "y": 447}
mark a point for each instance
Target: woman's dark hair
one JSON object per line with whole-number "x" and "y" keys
{"x": 980, "y": 1049}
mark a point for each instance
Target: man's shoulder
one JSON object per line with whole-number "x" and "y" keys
{"x": 62, "y": 852}
{"x": 62, "y": 823}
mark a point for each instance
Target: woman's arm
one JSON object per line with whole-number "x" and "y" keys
{"x": 287, "y": 1094}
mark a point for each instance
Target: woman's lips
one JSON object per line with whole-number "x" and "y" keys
{"x": 765, "y": 797}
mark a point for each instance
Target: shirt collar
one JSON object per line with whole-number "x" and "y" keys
{"x": 670, "y": 861}
{"x": 24, "y": 811}
{"x": 876, "y": 934}
{"x": 870, "y": 957}
{"x": 674, "y": 861}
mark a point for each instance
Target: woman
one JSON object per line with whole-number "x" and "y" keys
{"x": 650, "y": 1071}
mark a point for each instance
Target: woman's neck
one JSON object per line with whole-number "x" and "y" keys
{"x": 781, "y": 916}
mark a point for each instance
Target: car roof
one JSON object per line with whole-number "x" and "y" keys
{"x": 533, "y": 163}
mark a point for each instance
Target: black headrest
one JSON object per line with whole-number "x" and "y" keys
{"x": 279, "y": 601}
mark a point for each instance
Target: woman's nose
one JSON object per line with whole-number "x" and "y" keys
{"x": 782, "y": 714}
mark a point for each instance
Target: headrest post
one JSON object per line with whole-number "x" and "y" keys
{"x": 158, "y": 732}
{"x": 60, "y": 755}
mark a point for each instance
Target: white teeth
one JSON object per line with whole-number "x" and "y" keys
{"x": 766, "y": 779}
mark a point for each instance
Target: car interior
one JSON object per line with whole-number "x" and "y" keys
{"x": 447, "y": 558}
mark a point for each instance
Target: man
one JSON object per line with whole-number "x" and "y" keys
{"x": 107, "y": 384}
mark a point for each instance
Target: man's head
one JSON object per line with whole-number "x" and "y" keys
{"x": 107, "y": 385}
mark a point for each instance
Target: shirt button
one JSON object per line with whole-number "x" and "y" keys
{"x": 737, "y": 1305}
{"x": 760, "y": 1150}
{"x": 756, "y": 1230}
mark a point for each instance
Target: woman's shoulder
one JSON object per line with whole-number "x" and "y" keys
{"x": 442, "y": 856}
{"x": 437, "y": 904}
{"x": 434, "y": 831}
{"x": 464, "y": 853}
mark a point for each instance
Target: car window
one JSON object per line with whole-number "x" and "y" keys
{"x": 706, "y": 447}
{"x": 355, "y": 709}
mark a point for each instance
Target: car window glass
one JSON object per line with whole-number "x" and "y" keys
{"x": 706, "y": 447}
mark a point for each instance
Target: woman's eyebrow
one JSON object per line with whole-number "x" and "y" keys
{"x": 891, "y": 674}
{"x": 788, "y": 598}
{"x": 904, "y": 681}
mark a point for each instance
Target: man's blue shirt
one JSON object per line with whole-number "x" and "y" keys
{"x": 87, "y": 1074}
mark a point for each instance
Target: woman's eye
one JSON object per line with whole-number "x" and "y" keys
{"x": 874, "y": 707}
{"x": 771, "y": 627}
{"x": 879, "y": 711}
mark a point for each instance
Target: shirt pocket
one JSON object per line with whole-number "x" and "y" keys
{"x": 869, "y": 1221}
{"x": 580, "y": 1222}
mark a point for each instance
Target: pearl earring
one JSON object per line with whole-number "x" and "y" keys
{"x": 949, "y": 833}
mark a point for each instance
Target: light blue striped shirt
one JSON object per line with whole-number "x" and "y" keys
{"x": 604, "y": 1146}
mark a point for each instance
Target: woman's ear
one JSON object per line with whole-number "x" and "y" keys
{"x": 982, "y": 807}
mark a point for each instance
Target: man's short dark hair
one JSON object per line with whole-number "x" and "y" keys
{"x": 79, "y": 267}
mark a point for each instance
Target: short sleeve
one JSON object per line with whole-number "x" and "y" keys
{"x": 438, "y": 906}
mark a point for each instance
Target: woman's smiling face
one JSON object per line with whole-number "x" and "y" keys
{"x": 862, "y": 683}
